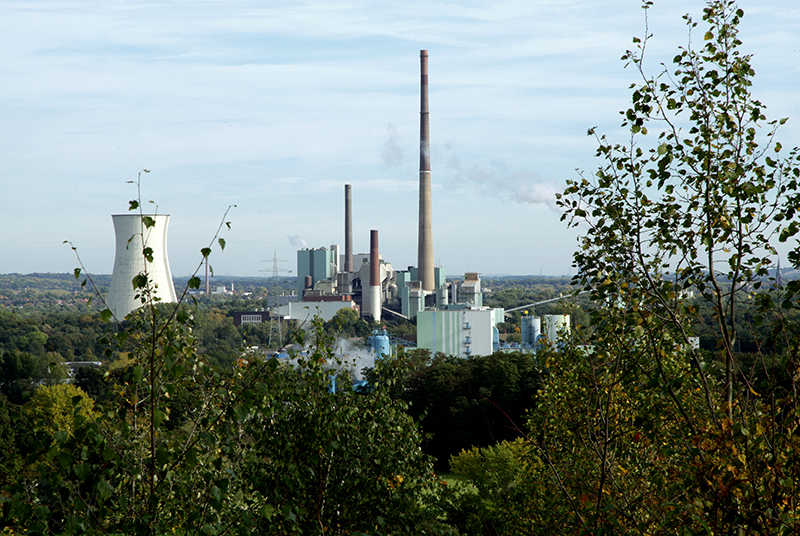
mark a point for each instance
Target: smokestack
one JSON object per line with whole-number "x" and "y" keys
{"x": 348, "y": 229}
{"x": 425, "y": 252}
{"x": 374, "y": 277}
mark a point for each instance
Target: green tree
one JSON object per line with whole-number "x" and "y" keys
{"x": 62, "y": 407}
{"x": 347, "y": 322}
{"x": 465, "y": 403}
{"x": 642, "y": 434}
{"x": 22, "y": 372}
{"x": 493, "y": 496}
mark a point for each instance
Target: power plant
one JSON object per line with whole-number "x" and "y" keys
{"x": 132, "y": 237}
{"x": 450, "y": 315}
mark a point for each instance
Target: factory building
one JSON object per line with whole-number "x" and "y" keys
{"x": 461, "y": 333}
{"x": 450, "y": 315}
{"x": 318, "y": 264}
{"x": 305, "y": 311}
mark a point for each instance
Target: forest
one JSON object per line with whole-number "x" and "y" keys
{"x": 622, "y": 426}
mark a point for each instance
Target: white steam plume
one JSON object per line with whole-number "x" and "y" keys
{"x": 523, "y": 186}
{"x": 356, "y": 356}
{"x": 392, "y": 154}
{"x": 297, "y": 241}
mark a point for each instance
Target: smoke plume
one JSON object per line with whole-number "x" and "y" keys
{"x": 297, "y": 241}
{"x": 392, "y": 154}
{"x": 523, "y": 186}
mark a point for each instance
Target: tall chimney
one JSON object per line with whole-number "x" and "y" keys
{"x": 374, "y": 277}
{"x": 348, "y": 229}
{"x": 425, "y": 252}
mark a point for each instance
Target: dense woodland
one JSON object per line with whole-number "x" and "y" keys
{"x": 622, "y": 426}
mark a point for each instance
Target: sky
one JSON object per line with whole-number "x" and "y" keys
{"x": 274, "y": 106}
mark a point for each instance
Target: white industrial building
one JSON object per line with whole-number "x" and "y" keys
{"x": 304, "y": 312}
{"x": 461, "y": 332}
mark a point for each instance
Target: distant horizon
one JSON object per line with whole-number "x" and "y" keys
{"x": 92, "y": 274}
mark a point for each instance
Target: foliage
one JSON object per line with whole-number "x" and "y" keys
{"x": 492, "y": 499}
{"x": 348, "y": 323}
{"x": 22, "y": 372}
{"x": 267, "y": 449}
{"x": 334, "y": 462}
{"x": 63, "y": 407}
{"x": 464, "y": 403}
{"x": 644, "y": 434}
{"x": 11, "y": 460}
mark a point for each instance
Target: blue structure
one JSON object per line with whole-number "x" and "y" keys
{"x": 380, "y": 344}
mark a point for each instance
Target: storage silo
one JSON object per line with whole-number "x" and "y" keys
{"x": 553, "y": 324}
{"x": 380, "y": 344}
{"x": 132, "y": 237}
{"x": 530, "y": 328}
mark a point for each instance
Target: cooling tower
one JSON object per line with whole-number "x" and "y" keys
{"x": 425, "y": 253}
{"x": 129, "y": 262}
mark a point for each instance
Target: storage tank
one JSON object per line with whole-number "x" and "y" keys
{"x": 132, "y": 236}
{"x": 530, "y": 329}
{"x": 555, "y": 324}
{"x": 380, "y": 344}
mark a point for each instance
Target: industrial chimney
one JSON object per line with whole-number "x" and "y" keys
{"x": 425, "y": 253}
{"x": 132, "y": 237}
{"x": 348, "y": 229}
{"x": 374, "y": 277}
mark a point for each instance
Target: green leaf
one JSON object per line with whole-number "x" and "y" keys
{"x": 139, "y": 281}
{"x": 205, "y": 252}
{"x": 158, "y": 417}
{"x": 64, "y": 459}
{"x": 83, "y": 470}
{"x": 194, "y": 282}
{"x": 106, "y": 315}
{"x": 191, "y": 457}
{"x": 103, "y": 489}
{"x": 148, "y": 221}
{"x": 221, "y": 243}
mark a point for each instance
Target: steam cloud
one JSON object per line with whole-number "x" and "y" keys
{"x": 357, "y": 356}
{"x": 523, "y": 186}
{"x": 392, "y": 154}
{"x": 297, "y": 241}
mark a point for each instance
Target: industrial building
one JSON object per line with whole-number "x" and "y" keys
{"x": 442, "y": 309}
{"x": 461, "y": 333}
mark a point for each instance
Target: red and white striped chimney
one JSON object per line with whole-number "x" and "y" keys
{"x": 374, "y": 277}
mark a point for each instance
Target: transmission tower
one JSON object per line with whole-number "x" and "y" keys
{"x": 274, "y": 308}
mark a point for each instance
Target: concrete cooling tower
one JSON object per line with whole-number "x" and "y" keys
{"x": 129, "y": 262}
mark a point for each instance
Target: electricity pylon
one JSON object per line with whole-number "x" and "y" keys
{"x": 274, "y": 308}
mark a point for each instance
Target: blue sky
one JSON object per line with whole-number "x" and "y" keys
{"x": 274, "y": 107}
